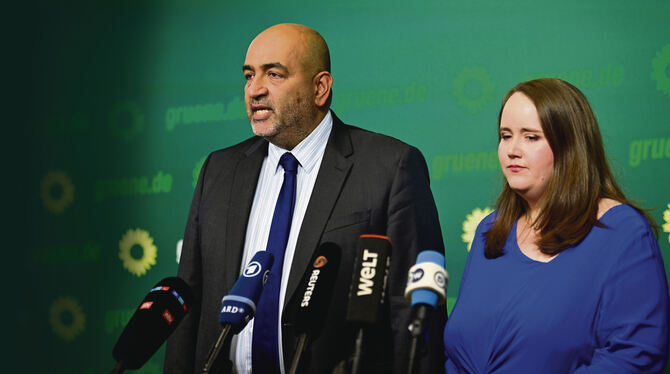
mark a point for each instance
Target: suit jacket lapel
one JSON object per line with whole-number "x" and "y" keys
{"x": 334, "y": 169}
{"x": 242, "y": 193}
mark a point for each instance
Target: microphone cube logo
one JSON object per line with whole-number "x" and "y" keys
{"x": 320, "y": 261}
{"x": 265, "y": 276}
{"x": 310, "y": 288}
{"x": 146, "y": 305}
{"x": 252, "y": 270}
{"x": 167, "y": 316}
{"x": 415, "y": 276}
{"x": 440, "y": 280}
{"x": 232, "y": 309}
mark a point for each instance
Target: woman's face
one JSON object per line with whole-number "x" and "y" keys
{"x": 524, "y": 152}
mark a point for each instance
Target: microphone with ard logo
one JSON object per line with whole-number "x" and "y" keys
{"x": 239, "y": 306}
{"x": 426, "y": 288}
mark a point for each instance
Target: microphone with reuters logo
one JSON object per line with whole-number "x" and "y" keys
{"x": 314, "y": 296}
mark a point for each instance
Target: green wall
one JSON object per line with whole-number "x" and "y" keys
{"x": 119, "y": 104}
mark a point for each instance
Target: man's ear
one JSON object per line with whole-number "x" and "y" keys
{"x": 323, "y": 82}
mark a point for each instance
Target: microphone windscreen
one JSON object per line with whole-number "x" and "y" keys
{"x": 368, "y": 284}
{"x": 317, "y": 290}
{"x": 239, "y": 306}
{"x": 157, "y": 316}
{"x": 427, "y": 280}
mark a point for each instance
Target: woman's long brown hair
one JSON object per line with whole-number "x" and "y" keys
{"x": 581, "y": 175}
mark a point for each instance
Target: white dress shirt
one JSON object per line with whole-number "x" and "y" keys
{"x": 309, "y": 154}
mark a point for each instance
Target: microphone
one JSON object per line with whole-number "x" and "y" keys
{"x": 239, "y": 306}
{"x": 314, "y": 300}
{"x": 426, "y": 288}
{"x": 368, "y": 286}
{"x": 157, "y": 316}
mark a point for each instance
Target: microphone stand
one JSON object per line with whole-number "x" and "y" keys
{"x": 358, "y": 352}
{"x": 416, "y": 330}
{"x": 119, "y": 368}
{"x": 302, "y": 341}
{"x": 214, "y": 353}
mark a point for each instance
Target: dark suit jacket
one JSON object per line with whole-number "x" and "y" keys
{"x": 367, "y": 184}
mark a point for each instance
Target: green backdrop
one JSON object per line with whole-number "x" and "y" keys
{"x": 120, "y": 103}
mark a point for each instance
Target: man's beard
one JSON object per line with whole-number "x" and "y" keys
{"x": 291, "y": 124}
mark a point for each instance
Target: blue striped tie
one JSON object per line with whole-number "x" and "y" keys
{"x": 265, "y": 343}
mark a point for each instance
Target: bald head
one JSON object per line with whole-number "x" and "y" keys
{"x": 308, "y": 46}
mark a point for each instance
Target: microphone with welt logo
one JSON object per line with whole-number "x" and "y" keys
{"x": 368, "y": 287}
{"x": 426, "y": 288}
{"x": 239, "y": 306}
{"x": 157, "y": 316}
{"x": 315, "y": 297}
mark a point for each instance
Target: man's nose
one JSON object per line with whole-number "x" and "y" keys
{"x": 256, "y": 87}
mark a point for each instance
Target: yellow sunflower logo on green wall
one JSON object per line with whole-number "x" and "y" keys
{"x": 137, "y": 237}
{"x": 473, "y": 88}
{"x": 471, "y": 222}
{"x": 660, "y": 73}
{"x": 66, "y": 318}
{"x": 56, "y": 191}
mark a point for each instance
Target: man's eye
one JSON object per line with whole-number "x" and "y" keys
{"x": 248, "y": 76}
{"x": 505, "y": 136}
{"x": 274, "y": 74}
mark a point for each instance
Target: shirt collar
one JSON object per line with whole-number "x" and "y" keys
{"x": 307, "y": 150}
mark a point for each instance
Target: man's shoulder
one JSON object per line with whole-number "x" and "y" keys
{"x": 366, "y": 139}
{"x": 240, "y": 149}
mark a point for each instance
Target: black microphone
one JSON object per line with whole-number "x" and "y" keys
{"x": 239, "y": 306}
{"x": 368, "y": 286}
{"x": 158, "y": 315}
{"x": 314, "y": 298}
{"x": 426, "y": 288}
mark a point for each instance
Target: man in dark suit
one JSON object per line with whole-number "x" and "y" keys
{"x": 354, "y": 182}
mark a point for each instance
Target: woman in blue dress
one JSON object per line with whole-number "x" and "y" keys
{"x": 566, "y": 276}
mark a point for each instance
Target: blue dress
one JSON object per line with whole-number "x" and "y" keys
{"x": 598, "y": 307}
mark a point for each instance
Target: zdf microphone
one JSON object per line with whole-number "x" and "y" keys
{"x": 239, "y": 306}
{"x": 157, "y": 316}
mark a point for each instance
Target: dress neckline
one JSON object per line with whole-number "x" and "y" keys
{"x": 516, "y": 250}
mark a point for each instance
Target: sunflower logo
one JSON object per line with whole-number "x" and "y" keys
{"x": 56, "y": 191}
{"x": 126, "y": 120}
{"x": 471, "y": 222}
{"x": 131, "y": 238}
{"x": 660, "y": 74}
{"x": 196, "y": 170}
{"x": 66, "y": 318}
{"x": 473, "y": 88}
{"x": 666, "y": 218}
